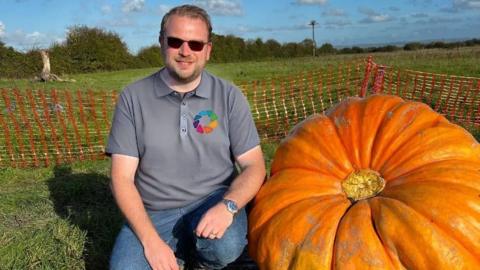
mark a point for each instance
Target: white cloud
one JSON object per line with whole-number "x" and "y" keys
{"x": 373, "y": 16}
{"x": 221, "y": 7}
{"x": 461, "y": 5}
{"x": 26, "y": 41}
{"x": 367, "y": 11}
{"x": 260, "y": 29}
{"x": 132, "y": 5}
{"x": 120, "y": 22}
{"x": 337, "y": 23}
{"x": 419, "y": 15}
{"x": 336, "y": 12}
{"x": 311, "y": 2}
{"x": 377, "y": 18}
{"x": 106, "y": 9}
{"x": 2, "y": 29}
{"x": 466, "y": 4}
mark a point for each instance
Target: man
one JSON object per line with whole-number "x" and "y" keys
{"x": 174, "y": 141}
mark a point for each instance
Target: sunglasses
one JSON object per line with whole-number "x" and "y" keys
{"x": 194, "y": 45}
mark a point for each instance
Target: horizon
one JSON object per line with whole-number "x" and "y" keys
{"x": 340, "y": 23}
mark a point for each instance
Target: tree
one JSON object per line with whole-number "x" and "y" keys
{"x": 274, "y": 48}
{"x": 413, "y": 46}
{"x": 150, "y": 56}
{"x": 327, "y": 48}
{"x": 93, "y": 49}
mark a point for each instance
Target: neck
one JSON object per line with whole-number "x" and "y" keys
{"x": 181, "y": 87}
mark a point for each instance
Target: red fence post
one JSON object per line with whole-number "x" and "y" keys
{"x": 366, "y": 77}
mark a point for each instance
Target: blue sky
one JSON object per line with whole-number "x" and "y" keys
{"x": 26, "y": 24}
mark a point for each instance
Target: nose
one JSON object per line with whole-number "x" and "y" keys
{"x": 185, "y": 49}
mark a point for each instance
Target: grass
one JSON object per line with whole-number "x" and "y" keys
{"x": 64, "y": 217}
{"x": 61, "y": 217}
{"x": 57, "y": 218}
{"x": 462, "y": 61}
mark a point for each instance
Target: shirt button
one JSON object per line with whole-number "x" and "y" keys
{"x": 184, "y": 115}
{"x": 184, "y": 103}
{"x": 184, "y": 130}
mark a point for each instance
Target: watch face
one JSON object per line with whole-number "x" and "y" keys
{"x": 231, "y": 206}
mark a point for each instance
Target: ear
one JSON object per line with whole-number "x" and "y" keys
{"x": 209, "y": 50}
{"x": 160, "y": 38}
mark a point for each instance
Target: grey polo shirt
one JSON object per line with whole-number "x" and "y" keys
{"x": 186, "y": 146}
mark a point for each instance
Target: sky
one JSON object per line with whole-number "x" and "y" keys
{"x": 28, "y": 24}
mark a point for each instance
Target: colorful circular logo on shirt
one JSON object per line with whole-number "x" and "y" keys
{"x": 205, "y": 121}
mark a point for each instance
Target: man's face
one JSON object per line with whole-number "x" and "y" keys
{"x": 184, "y": 64}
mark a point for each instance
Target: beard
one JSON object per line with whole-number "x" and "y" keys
{"x": 183, "y": 76}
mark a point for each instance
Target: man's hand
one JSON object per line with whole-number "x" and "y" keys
{"x": 160, "y": 256}
{"x": 214, "y": 222}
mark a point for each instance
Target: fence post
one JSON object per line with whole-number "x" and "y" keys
{"x": 366, "y": 78}
{"x": 378, "y": 80}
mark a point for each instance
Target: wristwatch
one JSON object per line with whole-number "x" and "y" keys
{"x": 231, "y": 206}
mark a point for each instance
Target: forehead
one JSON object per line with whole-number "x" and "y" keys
{"x": 186, "y": 27}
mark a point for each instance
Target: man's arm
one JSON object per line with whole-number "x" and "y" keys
{"x": 243, "y": 188}
{"x": 158, "y": 253}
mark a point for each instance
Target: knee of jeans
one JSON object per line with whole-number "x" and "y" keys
{"x": 127, "y": 252}
{"x": 218, "y": 253}
{"x": 128, "y": 263}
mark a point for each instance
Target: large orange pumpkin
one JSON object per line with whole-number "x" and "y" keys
{"x": 375, "y": 183}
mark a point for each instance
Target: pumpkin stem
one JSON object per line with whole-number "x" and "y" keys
{"x": 363, "y": 184}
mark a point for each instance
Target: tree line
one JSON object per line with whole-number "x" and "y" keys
{"x": 87, "y": 49}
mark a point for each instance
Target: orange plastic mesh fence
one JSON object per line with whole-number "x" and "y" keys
{"x": 41, "y": 128}
{"x": 277, "y": 104}
{"x": 455, "y": 97}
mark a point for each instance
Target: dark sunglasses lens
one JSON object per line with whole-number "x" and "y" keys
{"x": 195, "y": 45}
{"x": 174, "y": 42}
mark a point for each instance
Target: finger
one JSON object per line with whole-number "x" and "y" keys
{"x": 201, "y": 227}
{"x": 220, "y": 234}
{"x": 207, "y": 233}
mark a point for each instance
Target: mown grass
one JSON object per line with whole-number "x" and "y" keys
{"x": 64, "y": 217}
{"x": 462, "y": 61}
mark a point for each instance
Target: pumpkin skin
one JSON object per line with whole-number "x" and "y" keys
{"x": 426, "y": 217}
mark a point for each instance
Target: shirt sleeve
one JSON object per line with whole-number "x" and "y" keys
{"x": 242, "y": 131}
{"x": 122, "y": 137}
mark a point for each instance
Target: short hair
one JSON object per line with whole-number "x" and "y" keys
{"x": 190, "y": 11}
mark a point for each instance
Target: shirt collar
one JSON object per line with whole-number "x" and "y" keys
{"x": 203, "y": 90}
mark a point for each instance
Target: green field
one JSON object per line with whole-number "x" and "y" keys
{"x": 462, "y": 61}
{"x": 64, "y": 217}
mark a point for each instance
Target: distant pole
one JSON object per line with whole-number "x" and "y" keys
{"x": 313, "y": 23}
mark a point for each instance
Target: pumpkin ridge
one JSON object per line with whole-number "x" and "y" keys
{"x": 394, "y": 260}
{"x": 387, "y": 105}
{"x": 431, "y": 123}
{"x": 438, "y": 231}
{"x": 365, "y": 202}
{"x": 390, "y": 164}
{"x": 339, "y": 116}
{"x": 430, "y": 216}
{"x": 336, "y": 197}
{"x": 392, "y": 182}
{"x": 257, "y": 236}
{"x": 304, "y": 133}
{"x": 311, "y": 233}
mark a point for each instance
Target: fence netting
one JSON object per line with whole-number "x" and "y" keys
{"x": 42, "y": 128}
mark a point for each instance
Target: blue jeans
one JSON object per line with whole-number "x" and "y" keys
{"x": 175, "y": 227}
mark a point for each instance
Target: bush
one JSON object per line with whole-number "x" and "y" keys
{"x": 93, "y": 49}
{"x": 413, "y": 46}
{"x": 150, "y": 56}
{"x": 14, "y": 64}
